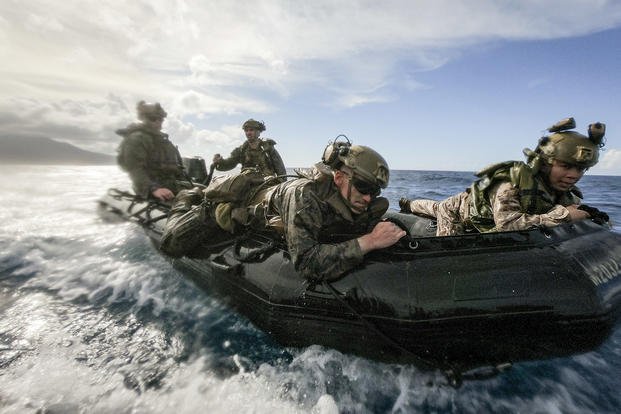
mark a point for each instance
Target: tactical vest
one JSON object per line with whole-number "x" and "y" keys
{"x": 535, "y": 196}
{"x": 339, "y": 223}
{"x": 259, "y": 158}
{"x": 161, "y": 156}
{"x": 363, "y": 223}
{"x": 151, "y": 160}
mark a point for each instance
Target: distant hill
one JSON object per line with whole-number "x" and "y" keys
{"x": 42, "y": 150}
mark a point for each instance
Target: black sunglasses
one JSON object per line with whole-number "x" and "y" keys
{"x": 366, "y": 188}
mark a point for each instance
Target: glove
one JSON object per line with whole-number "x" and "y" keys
{"x": 598, "y": 217}
{"x": 404, "y": 204}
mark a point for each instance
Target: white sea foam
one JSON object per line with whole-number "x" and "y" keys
{"x": 55, "y": 374}
{"x": 74, "y": 336}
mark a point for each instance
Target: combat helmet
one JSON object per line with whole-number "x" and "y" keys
{"x": 150, "y": 111}
{"x": 366, "y": 163}
{"x": 568, "y": 146}
{"x": 251, "y": 123}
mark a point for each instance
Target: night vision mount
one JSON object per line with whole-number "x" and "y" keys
{"x": 596, "y": 131}
{"x": 563, "y": 125}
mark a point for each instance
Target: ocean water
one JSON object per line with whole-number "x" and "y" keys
{"x": 94, "y": 320}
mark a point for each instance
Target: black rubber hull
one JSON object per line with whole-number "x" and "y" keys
{"x": 468, "y": 300}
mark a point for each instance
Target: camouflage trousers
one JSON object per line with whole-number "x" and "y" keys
{"x": 451, "y": 214}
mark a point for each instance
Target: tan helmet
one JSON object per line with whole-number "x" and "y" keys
{"x": 150, "y": 111}
{"x": 570, "y": 146}
{"x": 251, "y": 123}
{"x": 365, "y": 163}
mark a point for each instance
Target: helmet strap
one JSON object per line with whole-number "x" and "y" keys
{"x": 347, "y": 201}
{"x": 536, "y": 163}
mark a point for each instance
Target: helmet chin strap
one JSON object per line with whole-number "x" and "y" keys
{"x": 348, "y": 202}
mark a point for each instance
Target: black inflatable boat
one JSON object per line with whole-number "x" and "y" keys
{"x": 447, "y": 302}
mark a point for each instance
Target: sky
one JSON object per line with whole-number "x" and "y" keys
{"x": 431, "y": 85}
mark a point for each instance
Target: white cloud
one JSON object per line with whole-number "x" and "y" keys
{"x": 230, "y": 57}
{"x": 194, "y": 141}
{"x": 349, "y": 101}
{"x": 89, "y": 124}
{"x": 610, "y": 162}
{"x": 43, "y": 24}
{"x": 197, "y": 103}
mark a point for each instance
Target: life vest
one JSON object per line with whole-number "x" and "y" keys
{"x": 337, "y": 221}
{"x": 535, "y": 196}
{"x": 260, "y": 157}
{"x": 161, "y": 156}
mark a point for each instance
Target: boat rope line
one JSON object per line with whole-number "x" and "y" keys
{"x": 452, "y": 373}
{"x": 151, "y": 206}
{"x": 429, "y": 364}
{"x": 147, "y": 212}
{"x": 119, "y": 194}
{"x": 156, "y": 218}
{"x": 256, "y": 255}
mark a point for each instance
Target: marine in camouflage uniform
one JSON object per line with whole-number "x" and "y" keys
{"x": 330, "y": 218}
{"x": 255, "y": 153}
{"x": 515, "y": 195}
{"x": 146, "y": 153}
{"x": 314, "y": 215}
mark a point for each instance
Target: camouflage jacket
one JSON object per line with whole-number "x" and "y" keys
{"x": 510, "y": 197}
{"x": 316, "y": 220}
{"x": 151, "y": 160}
{"x": 265, "y": 158}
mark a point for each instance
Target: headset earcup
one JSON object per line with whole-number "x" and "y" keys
{"x": 333, "y": 151}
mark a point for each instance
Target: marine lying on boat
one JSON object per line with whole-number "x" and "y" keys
{"x": 450, "y": 302}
